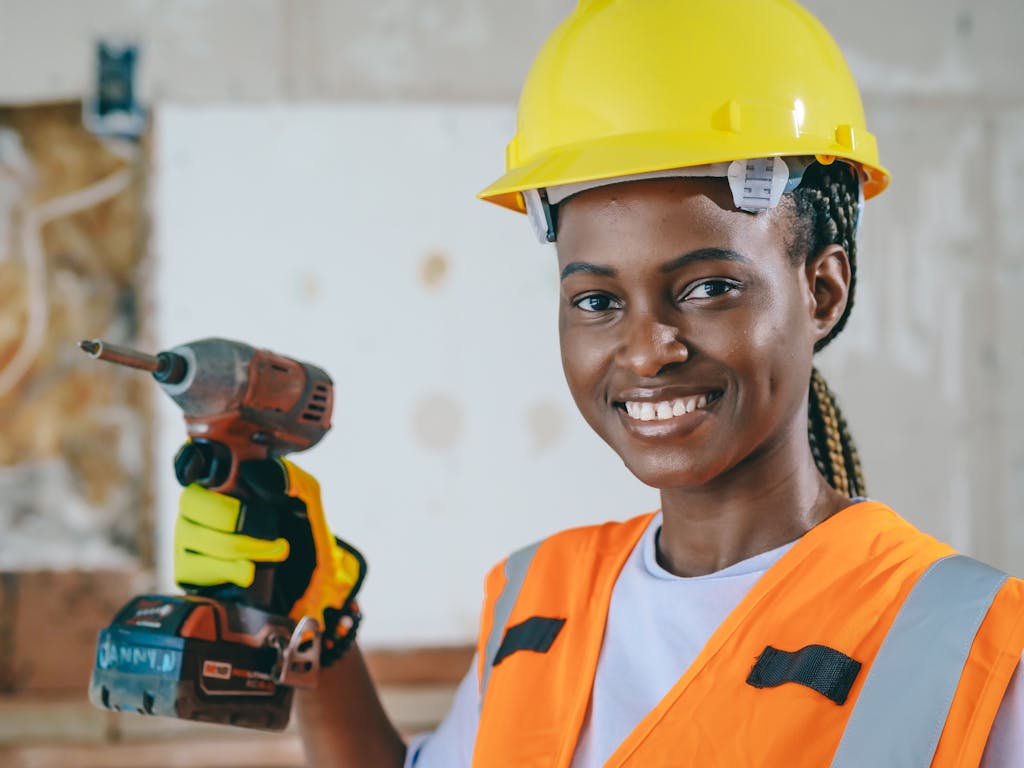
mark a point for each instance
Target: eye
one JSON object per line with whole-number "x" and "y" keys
{"x": 596, "y": 302}
{"x": 709, "y": 289}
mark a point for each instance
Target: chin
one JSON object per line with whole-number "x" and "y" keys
{"x": 664, "y": 473}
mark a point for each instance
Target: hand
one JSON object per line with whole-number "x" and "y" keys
{"x": 316, "y": 574}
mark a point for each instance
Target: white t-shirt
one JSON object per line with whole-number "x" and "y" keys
{"x": 637, "y": 668}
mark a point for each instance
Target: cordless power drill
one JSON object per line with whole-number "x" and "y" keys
{"x": 219, "y": 654}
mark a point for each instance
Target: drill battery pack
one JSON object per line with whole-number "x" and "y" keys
{"x": 196, "y": 658}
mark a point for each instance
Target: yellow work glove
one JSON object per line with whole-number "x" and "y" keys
{"x": 219, "y": 540}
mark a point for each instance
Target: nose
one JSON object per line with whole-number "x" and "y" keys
{"x": 649, "y": 345}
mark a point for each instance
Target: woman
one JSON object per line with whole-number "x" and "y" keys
{"x": 700, "y": 166}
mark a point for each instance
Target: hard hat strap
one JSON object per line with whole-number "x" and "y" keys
{"x": 542, "y": 214}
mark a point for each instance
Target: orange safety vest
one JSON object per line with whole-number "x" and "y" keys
{"x": 843, "y": 586}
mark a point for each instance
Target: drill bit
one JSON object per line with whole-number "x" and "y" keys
{"x": 101, "y": 350}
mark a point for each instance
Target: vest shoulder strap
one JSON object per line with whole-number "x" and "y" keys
{"x": 516, "y": 567}
{"x": 906, "y": 698}
{"x": 583, "y": 548}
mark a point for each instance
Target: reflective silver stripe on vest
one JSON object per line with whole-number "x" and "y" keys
{"x": 903, "y": 706}
{"x": 516, "y": 567}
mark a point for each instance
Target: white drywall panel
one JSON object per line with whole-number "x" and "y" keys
{"x": 349, "y": 236}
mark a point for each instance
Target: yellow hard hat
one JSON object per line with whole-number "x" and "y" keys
{"x": 628, "y": 87}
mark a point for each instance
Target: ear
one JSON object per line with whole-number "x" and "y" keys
{"x": 828, "y": 282}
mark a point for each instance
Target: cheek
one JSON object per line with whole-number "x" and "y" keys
{"x": 783, "y": 346}
{"x": 581, "y": 364}
{"x": 585, "y": 362}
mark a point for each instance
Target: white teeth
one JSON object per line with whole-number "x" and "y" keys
{"x": 667, "y": 409}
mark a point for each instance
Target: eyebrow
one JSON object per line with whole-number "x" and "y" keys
{"x": 585, "y": 266}
{"x": 702, "y": 254}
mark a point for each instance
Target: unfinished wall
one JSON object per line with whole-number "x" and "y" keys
{"x": 74, "y": 439}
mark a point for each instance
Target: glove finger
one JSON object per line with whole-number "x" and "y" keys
{"x": 227, "y": 546}
{"x": 202, "y": 570}
{"x": 209, "y": 509}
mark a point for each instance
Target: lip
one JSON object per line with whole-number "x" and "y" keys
{"x": 659, "y": 394}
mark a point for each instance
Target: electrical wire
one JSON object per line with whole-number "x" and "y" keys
{"x": 31, "y": 240}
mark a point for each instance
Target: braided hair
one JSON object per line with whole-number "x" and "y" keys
{"x": 826, "y": 207}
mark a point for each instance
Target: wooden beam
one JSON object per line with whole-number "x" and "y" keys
{"x": 256, "y": 751}
{"x": 419, "y": 666}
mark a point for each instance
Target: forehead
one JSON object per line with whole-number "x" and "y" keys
{"x": 661, "y": 218}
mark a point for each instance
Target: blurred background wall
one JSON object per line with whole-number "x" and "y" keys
{"x": 305, "y": 182}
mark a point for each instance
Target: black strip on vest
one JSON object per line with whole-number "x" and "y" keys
{"x": 824, "y": 669}
{"x": 535, "y": 634}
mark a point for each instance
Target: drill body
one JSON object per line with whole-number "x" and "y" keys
{"x": 219, "y": 654}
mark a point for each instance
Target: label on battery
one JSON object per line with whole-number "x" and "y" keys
{"x": 218, "y": 669}
{"x": 137, "y": 659}
{"x": 159, "y": 614}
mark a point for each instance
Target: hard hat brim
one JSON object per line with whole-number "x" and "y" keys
{"x": 615, "y": 156}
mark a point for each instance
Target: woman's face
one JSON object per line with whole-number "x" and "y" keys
{"x": 686, "y": 329}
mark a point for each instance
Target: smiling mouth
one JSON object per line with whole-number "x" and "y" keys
{"x": 664, "y": 410}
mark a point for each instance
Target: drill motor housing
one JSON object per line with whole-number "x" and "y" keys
{"x": 252, "y": 402}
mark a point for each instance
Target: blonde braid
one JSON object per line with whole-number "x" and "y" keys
{"x": 833, "y": 436}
